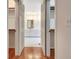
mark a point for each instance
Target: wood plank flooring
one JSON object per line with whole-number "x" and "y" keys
{"x": 32, "y": 53}
{"x": 52, "y": 54}
{"x": 11, "y": 53}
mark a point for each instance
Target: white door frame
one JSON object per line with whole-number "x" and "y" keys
{"x": 19, "y": 24}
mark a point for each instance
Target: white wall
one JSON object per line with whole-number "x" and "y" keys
{"x": 21, "y": 27}
{"x": 19, "y": 36}
{"x": 16, "y": 35}
{"x": 63, "y": 40}
{"x": 47, "y": 28}
{"x": 43, "y": 26}
{"x": 52, "y": 39}
{"x": 11, "y": 39}
{"x": 32, "y": 11}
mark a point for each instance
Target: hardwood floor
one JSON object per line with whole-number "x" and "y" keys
{"x": 32, "y": 53}
{"x": 52, "y": 54}
{"x": 11, "y": 53}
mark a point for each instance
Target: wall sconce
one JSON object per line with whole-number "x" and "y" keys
{"x": 30, "y": 24}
